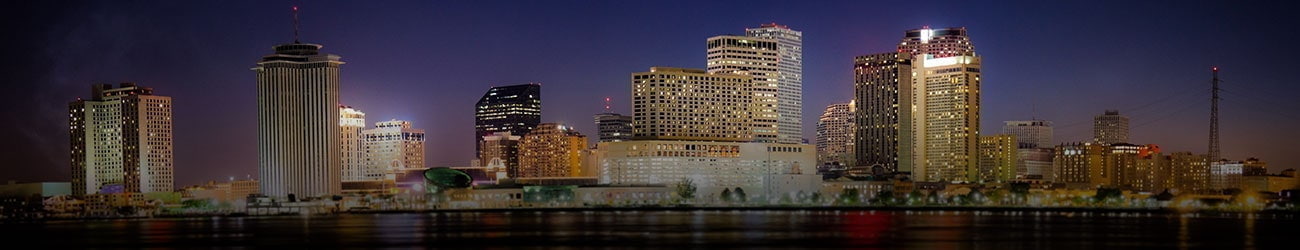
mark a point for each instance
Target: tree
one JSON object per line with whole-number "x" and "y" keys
{"x": 849, "y": 196}
{"x": 726, "y": 194}
{"x": 740, "y": 194}
{"x": 885, "y": 197}
{"x": 686, "y": 189}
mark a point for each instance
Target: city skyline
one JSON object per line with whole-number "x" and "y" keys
{"x": 829, "y": 81}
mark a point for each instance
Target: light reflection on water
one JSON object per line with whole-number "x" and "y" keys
{"x": 780, "y": 229}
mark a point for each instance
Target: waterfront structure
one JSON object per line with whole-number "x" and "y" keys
{"x": 14, "y": 189}
{"x": 1030, "y": 134}
{"x": 1110, "y": 128}
{"x": 997, "y": 158}
{"x": 712, "y": 166}
{"x": 121, "y": 141}
{"x": 613, "y": 127}
{"x": 516, "y": 109}
{"x": 1080, "y": 165}
{"x": 394, "y": 149}
{"x": 945, "y": 121}
{"x": 835, "y": 134}
{"x": 947, "y": 42}
{"x": 499, "y": 153}
{"x": 789, "y": 108}
{"x": 298, "y": 122}
{"x": 882, "y": 87}
{"x": 758, "y": 58}
{"x": 1225, "y": 174}
{"x": 351, "y": 122}
{"x": 234, "y": 192}
{"x": 691, "y": 104}
{"x": 551, "y": 150}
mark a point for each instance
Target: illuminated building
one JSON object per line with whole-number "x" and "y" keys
{"x": 835, "y": 134}
{"x": 758, "y": 58}
{"x": 1151, "y": 171}
{"x": 1034, "y": 164}
{"x": 351, "y": 122}
{"x": 234, "y": 191}
{"x": 551, "y": 150}
{"x": 1030, "y": 134}
{"x": 946, "y": 106}
{"x": 121, "y": 141}
{"x": 711, "y": 165}
{"x": 1254, "y": 167}
{"x": 499, "y": 153}
{"x": 1110, "y": 128}
{"x": 614, "y": 127}
{"x": 690, "y": 104}
{"x": 997, "y": 158}
{"x": 941, "y": 43}
{"x": 1189, "y": 173}
{"x": 1122, "y": 165}
{"x": 393, "y": 149}
{"x": 516, "y": 109}
{"x": 883, "y": 125}
{"x": 1080, "y": 165}
{"x": 298, "y": 122}
{"x": 1225, "y": 174}
{"x": 789, "y": 108}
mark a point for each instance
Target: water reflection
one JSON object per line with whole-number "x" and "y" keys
{"x": 743, "y": 229}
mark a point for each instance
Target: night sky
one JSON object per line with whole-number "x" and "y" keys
{"x": 428, "y": 62}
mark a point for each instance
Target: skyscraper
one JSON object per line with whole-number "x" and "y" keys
{"x": 835, "y": 134}
{"x": 121, "y": 141}
{"x": 614, "y": 127}
{"x": 882, "y": 87}
{"x": 758, "y": 58}
{"x": 997, "y": 158}
{"x": 1030, "y": 134}
{"x": 351, "y": 122}
{"x": 499, "y": 153}
{"x": 946, "y": 118}
{"x": 394, "y": 148}
{"x": 690, "y": 104}
{"x": 940, "y": 43}
{"x": 1190, "y": 172}
{"x": 789, "y": 79}
{"x": 516, "y": 109}
{"x": 298, "y": 122}
{"x": 1110, "y": 128}
{"x": 552, "y": 150}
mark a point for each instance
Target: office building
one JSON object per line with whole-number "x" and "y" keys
{"x": 298, "y": 122}
{"x": 691, "y": 104}
{"x": 997, "y": 158}
{"x": 614, "y": 127}
{"x": 1254, "y": 167}
{"x": 882, "y": 87}
{"x": 1080, "y": 165}
{"x": 1034, "y": 164}
{"x": 945, "y": 121}
{"x": 499, "y": 154}
{"x": 551, "y": 150}
{"x": 121, "y": 141}
{"x": 351, "y": 122}
{"x": 1225, "y": 174}
{"x": 789, "y": 108}
{"x": 394, "y": 149}
{"x": 939, "y": 43}
{"x": 1189, "y": 173}
{"x": 758, "y": 58}
{"x": 1110, "y": 128}
{"x": 1030, "y": 134}
{"x": 835, "y": 135}
{"x": 759, "y": 168}
{"x": 516, "y": 109}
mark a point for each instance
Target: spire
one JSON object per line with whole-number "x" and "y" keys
{"x": 295, "y": 24}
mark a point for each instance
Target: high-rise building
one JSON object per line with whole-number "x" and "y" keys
{"x": 121, "y": 141}
{"x": 690, "y": 104}
{"x": 1225, "y": 174}
{"x": 789, "y": 79}
{"x": 1110, "y": 128}
{"x": 1030, "y": 134}
{"x": 351, "y": 122}
{"x": 946, "y": 120}
{"x": 883, "y": 118}
{"x": 552, "y": 150}
{"x": 298, "y": 122}
{"x": 1034, "y": 164}
{"x": 1122, "y": 164}
{"x": 1190, "y": 173}
{"x": 997, "y": 158}
{"x": 614, "y": 127}
{"x": 499, "y": 153}
{"x": 835, "y": 134}
{"x": 940, "y": 43}
{"x": 394, "y": 149}
{"x": 758, "y": 58}
{"x": 1080, "y": 165}
{"x": 516, "y": 109}
{"x": 1153, "y": 171}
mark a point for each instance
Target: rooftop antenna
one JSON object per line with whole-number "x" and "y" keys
{"x": 1214, "y": 116}
{"x": 295, "y": 24}
{"x": 607, "y": 105}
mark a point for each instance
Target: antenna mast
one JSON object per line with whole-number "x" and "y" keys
{"x": 295, "y": 24}
{"x": 1214, "y": 117}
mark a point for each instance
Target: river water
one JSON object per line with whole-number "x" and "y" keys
{"x": 672, "y": 229}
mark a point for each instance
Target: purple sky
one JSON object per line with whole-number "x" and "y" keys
{"x": 428, "y": 62}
